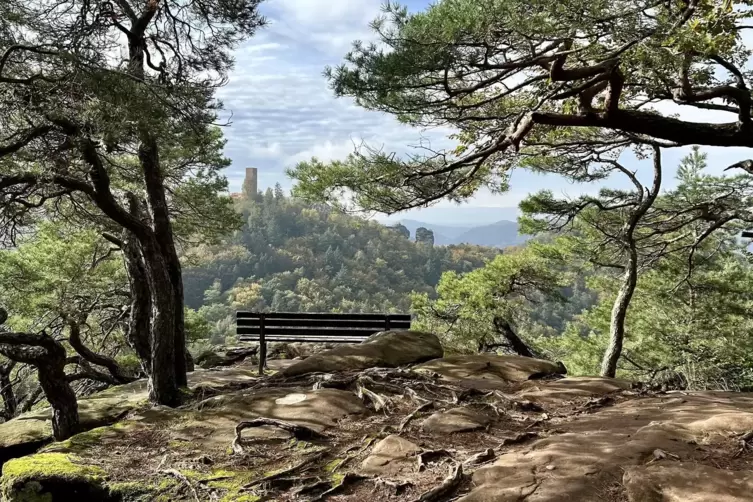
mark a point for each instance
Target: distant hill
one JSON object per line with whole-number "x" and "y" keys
{"x": 291, "y": 256}
{"x": 462, "y": 215}
{"x": 500, "y": 234}
{"x": 443, "y": 234}
{"x": 449, "y": 231}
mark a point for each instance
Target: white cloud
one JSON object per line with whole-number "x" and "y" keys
{"x": 329, "y": 26}
{"x": 324, "y": 15}
{"x": 269, "y": 150}
{"x": 264, "y": 47}
{"x": 326, "y": 151}
{"x": 283, "y": 110}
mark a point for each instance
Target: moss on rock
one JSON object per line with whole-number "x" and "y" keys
{"x": 27, "y": 433}
{"x": 50, "y": 477}
{"x": 85, "y": 440}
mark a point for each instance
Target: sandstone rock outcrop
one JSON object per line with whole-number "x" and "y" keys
{"x": 387, "y": 349}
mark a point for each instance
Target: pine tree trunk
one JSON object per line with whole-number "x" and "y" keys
{"x": 516, "y": 343}
{"x": 138, "y": 329}
{"x": 163, "y": 387}
{"x": 57, "y": 390}
{"x": 185, "y": 363}
{"x": 183, "y": 360}
{"x": 619, "y": 313}
{"x": 10, "y": 404}
{"x": 62, "y": 399}
{"x": 48, "y": 356}
{"x": 167, "y": 330}
{"x": 630, "y": 279}
{"x": 158, "y": 208}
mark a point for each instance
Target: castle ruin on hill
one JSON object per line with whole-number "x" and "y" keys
{"x": 250, "y": 185}
{"x": 251, "y": 182}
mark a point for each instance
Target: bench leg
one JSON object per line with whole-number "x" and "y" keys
{"x": 262, "y": 356}
{"x": 262, "y": 346}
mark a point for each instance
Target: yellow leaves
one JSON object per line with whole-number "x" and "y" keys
{"x": 309, "y": 214}
{"x": 245, "y": 295}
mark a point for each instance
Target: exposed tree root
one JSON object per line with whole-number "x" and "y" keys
{"x": 520, "y": 438}
{"x": 333, "y": 381}
{"x": 397, "y": 374}
{"x": 298, "y": 431}
{"x": 480, "y": 457}
{"x": 378, "y": 386}
{"x": 285, "y": 472}
{"x": 744, "y": 444}
{"x": 382, "y": 386}
{"x": 182, "y": 478}
{"x": 379, "y": 402}
{"x": 497, "y": 411}
{"x": 448, "y": 486}
{"x": 367, "y": 443}
{"x": 398, "y": 486}
{"x": 413, "y": 395}
{"x": 427, "y": 456}
{"x": 538, "y": 421}
{"x": 515, "y": 404}
{"x": 318, "y": 485}
{"x": 349, "y": 478}
{"x": 415, "y": 412}
{"x": 596, "y": 403}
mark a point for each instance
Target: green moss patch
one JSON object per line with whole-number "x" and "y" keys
{"x": 44, "y": 465}
{"x": 85, "y": 440}
{"x": 51, "y": 477}
{"x": 334, "y": 464}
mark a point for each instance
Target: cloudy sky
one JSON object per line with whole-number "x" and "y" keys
{"x": 283, "y": 111}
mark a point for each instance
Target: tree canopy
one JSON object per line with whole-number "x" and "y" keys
{"x": 543, "y": 84}
{"x": 633, "y": 230}
{"x": 109, "y": 120}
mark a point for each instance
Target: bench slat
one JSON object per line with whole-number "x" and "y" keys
{"x": 306, "y": 339}
{"x": 322, "y": 315}
{"x": 256, "y": 330}
{"x": 325, "y": 323}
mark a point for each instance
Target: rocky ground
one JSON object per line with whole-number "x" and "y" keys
{"x": 392, "y": 419}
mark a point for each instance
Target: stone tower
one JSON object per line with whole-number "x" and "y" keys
{"x": 251, "y": 183}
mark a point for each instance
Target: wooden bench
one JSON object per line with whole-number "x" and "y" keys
{"x": 317, "y": 327}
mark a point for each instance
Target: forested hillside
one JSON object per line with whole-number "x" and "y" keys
{"x": 294, "y": 256}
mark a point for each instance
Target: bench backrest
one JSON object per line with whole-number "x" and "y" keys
{"x": 303, "y": 326}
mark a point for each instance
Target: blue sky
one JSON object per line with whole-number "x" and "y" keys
{"x": 284, "y": 112}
